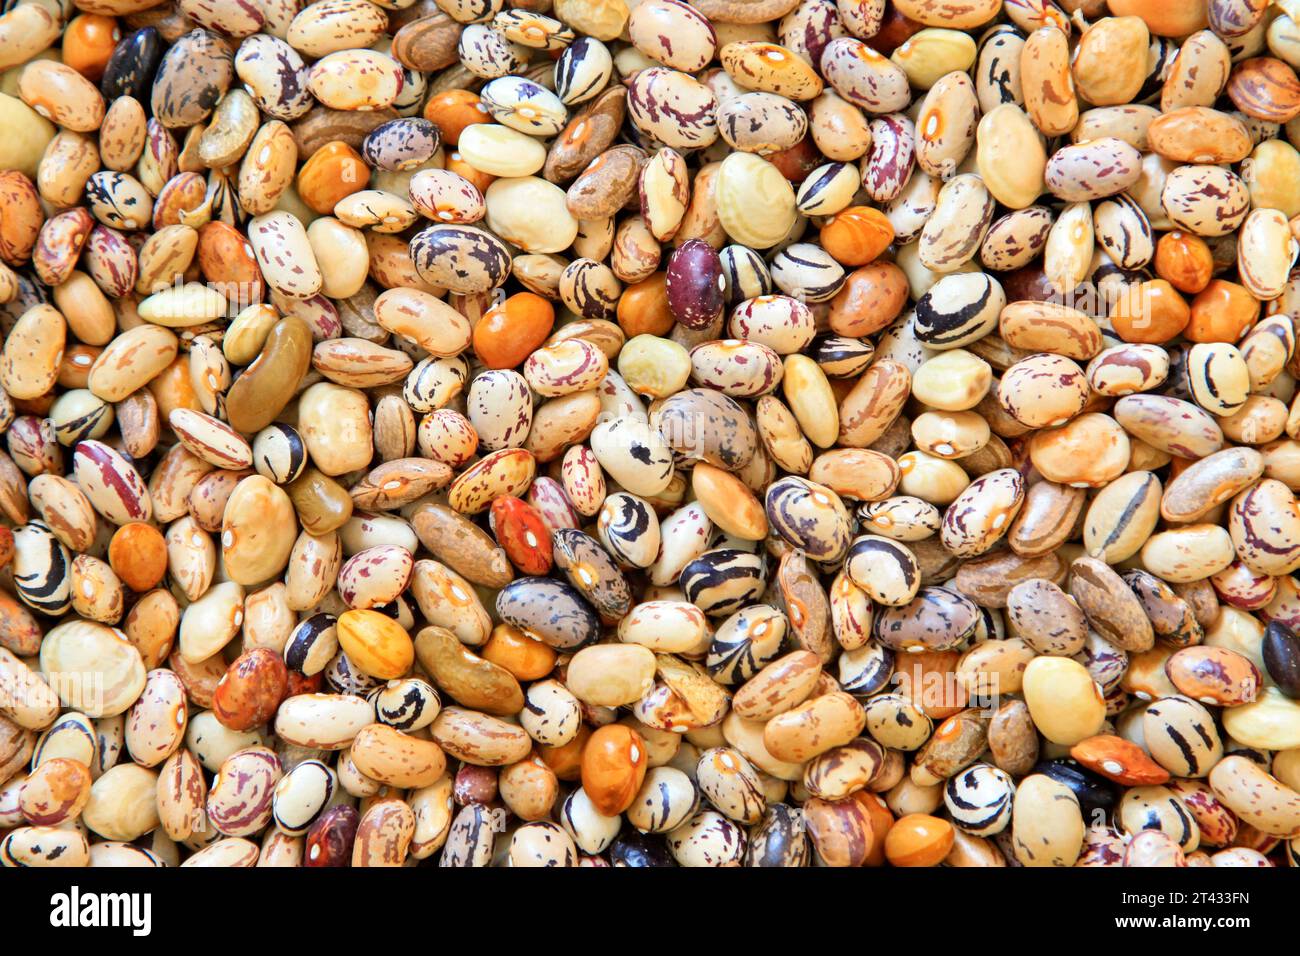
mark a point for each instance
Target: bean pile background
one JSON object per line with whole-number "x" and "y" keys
{"x": 641, "y": 433}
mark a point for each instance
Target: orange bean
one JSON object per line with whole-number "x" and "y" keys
{"x": 336, "y": 170}
{"x": 918, "y": 839}
{"x": 1185, "y": 261}
{"x": 1222, "y": 312}
{"x": 871, "y": 298}
{"x": 508, "y": 333}
{"x": 1150, "y": 312}
{"x": 525, "y": 657}
{"x": 88, "y": 43}
{"x": 857, "y": 235}
{"x": 643, "y": 308}
{"x": 137, "y": 553}
{"x": 452, "y": 111}
{"x": 613, "y": 767}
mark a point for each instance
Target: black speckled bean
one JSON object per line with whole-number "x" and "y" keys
{"x": 132, "y": 66}
{"x": 401, "y": 144}
{"x": 193, "y": 76}
{"x": 552, "y": 611}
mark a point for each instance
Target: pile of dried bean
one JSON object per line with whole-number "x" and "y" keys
{"x": 638, "y": 433}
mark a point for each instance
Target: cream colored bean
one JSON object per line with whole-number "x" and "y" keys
{"x": 285, "y": 255}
